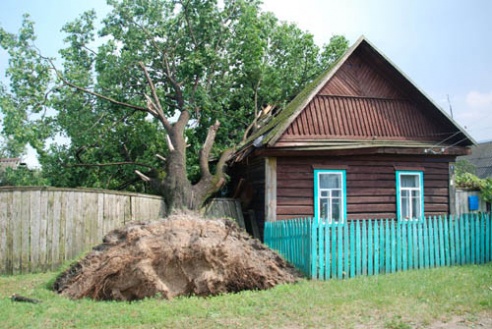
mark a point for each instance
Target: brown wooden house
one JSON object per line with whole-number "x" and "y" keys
{"x": 360, "y": 142}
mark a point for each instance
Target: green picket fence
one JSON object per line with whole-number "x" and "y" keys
{"x": 370, "y": 247}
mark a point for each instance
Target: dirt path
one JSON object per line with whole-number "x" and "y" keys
{"x": 461, "y": 322}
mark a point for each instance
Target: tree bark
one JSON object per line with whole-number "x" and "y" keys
{"x": 177, "y": 191}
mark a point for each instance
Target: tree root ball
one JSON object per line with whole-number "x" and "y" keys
{"x": 182, "y": 255}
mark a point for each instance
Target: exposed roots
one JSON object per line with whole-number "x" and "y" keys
{"x": 179, "y": 256}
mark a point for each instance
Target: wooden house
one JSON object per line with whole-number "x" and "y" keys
{"x": 360, "y": 142}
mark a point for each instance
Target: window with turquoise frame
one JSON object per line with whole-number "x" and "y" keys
{"x": 410, "y": 195}
{"x": 330, "y": 195}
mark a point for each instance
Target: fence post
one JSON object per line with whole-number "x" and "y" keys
{"x": 370, "y": 251}
{"x": 339, "y": 266}
{"x": 352, "y": 249}
{"x": 377, "y": 250}
{"x": 488, "y": 238}
{"x": 346, "y": 249}
{"x": 314, "y": 247}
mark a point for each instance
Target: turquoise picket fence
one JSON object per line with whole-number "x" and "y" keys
{"x": 370, "y": 247}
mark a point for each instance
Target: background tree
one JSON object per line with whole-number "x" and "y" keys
{"x": 149, "y": 94}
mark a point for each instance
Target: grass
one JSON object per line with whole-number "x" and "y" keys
{"x": 395, "y": 301}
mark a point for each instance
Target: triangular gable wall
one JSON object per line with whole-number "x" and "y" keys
{"x": 358, "y": 77}
{"x": 366, "y": 100}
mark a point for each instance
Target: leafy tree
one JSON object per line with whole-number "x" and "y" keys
{"x": 148, "y": 95}
{"x": 466, "y": 178}
{"x": 464, "y": 166}
{"x": 22, "y": 176}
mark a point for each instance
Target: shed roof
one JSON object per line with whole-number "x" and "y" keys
{"x": 481, "y": 158}
{"x": 275, "y": 132}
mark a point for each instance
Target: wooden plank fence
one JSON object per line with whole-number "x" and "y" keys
{"x": 371, "y": 247}
{"x": 40, "y": 228}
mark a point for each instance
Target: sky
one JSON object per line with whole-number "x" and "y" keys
{"x": 443, "y": 46}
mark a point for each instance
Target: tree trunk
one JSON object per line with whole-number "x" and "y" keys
{"x": 178, "y": 192}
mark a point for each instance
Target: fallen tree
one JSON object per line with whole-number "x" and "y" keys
{"x": 141, "y": 99}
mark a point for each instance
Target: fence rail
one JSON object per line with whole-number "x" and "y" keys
{"x": 370, "y": 247}
{"x": 40, "y": 228}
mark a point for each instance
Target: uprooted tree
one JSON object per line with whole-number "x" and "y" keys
{"x": 148, "y": 96}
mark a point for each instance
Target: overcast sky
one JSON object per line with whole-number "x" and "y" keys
{"x": 443, "y": 46}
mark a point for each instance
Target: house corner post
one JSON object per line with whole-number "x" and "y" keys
{"x": 271, "y": 189}
{"x": 452, "y": 190}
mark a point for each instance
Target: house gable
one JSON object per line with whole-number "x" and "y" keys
{"x": 361, "y": 75}
{"x": 363, "y": 101}
{"x": 367, "y": 102}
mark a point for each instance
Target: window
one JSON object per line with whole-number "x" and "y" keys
{"x": 330, "y": 195}
{"x": 410, "y": 195}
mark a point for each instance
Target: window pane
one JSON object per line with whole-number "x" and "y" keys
{"x": 336, "y": 211}
{"x": 324, "y": 208}
{"x": 405, "y": 209}
{"x": 409, "y": 180}
{"x": 329, "y": 180}
{"x": 416, "y": 207}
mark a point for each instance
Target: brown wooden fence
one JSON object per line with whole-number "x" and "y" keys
{"x": 40, "y": 228}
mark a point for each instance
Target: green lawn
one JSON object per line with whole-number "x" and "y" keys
{"x": 396, "y": 301}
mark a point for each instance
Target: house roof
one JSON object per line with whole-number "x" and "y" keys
{"x": 411, "y": 102}
{"x": 9, "y": 162}
{"x": 481, "y": 158}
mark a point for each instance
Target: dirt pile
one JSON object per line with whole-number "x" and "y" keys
{"x": 181, "y": 255}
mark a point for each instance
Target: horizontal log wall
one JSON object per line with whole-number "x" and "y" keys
{"x": 40, "y": 228}
{"x": 252, "y": 171}
{"x": 371, "y": 184}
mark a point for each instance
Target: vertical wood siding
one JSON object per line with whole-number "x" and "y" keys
{"x": 356, "y": 118}
{"x": 371, "y": 185}
{"x": 40, "y": 228}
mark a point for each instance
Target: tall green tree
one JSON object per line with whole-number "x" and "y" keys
{"x": 147, "y": 93}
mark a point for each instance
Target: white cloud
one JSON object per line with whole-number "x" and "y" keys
{"x": 477, "y": 99}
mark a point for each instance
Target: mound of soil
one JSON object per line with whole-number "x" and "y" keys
{"x": 181, "y": 255}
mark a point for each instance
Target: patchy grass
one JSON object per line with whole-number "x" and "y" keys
{"x": 397, "y": 301}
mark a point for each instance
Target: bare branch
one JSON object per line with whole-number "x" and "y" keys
{"x": 142, "y": 176}
{"x": 265, "y": 111}
{"x": 89, "y": 50}
{"x": 174, "y": 83}
{"x": 151, "y": 106}
{"x": 160, "y": 157}
{"x": 183, "y": 119}
{"x": 224, "y": 157}
{"x": 170, "y": 143}
{"x": 156, "y": 104}
{"x": 108, "y": 164}
{"x": 90, "y": 92}
{"x": 207, "y": 147}
{"x": 188, "y": 23}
